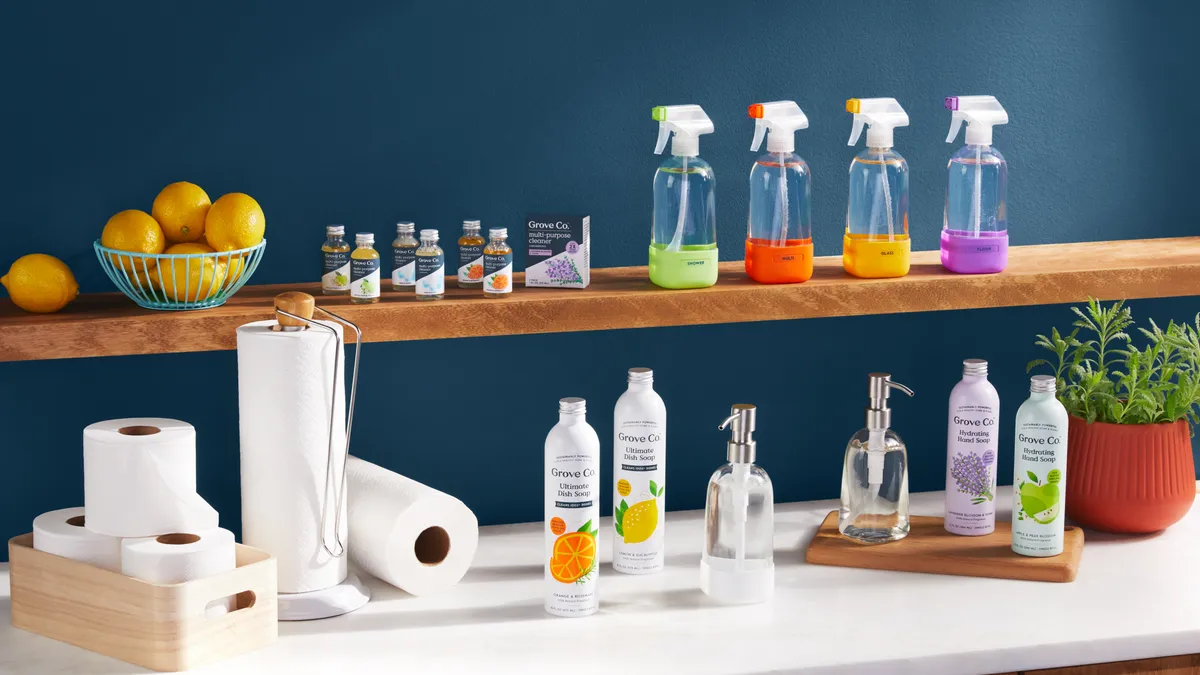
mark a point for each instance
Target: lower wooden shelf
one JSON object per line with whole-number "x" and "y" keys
{"x": 108, "y": 324}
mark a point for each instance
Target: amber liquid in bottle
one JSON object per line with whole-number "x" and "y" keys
{"x": 334, "y": 255}
{"x": 470, "y": 256}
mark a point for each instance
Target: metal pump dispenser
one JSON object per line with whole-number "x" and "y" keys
{"x": 737, "y": 564}
{"x": 875, "y": 473}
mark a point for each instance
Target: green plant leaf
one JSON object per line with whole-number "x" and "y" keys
{"x": 661, "y": 490}
{"x": 1032, "y": 476}
{"x": 1054, "y": 476}
{"x": 619, "y": 520}
{"x": 586, "y": 527}
{"x": 620, "y": 530}
{"x": 653, "y": 488}
{"x": 624, "y": 506}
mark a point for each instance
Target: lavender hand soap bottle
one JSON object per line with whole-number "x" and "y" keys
{"x": 971, "y": 447}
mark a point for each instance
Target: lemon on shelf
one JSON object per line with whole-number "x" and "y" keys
{"x": 180, "y": 209}
{"x": 136, "y": 232}
{"x": 235, "y": 221}
{"x": 189, "y": 280}
{"x": 40, "y": 283}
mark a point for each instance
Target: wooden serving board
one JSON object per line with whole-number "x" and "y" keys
{"x": 931, "y": 549}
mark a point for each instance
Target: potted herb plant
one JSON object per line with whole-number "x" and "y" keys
{"x": 1129, "y": 449}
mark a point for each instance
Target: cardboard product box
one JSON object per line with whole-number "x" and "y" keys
{"x": 558, "y": 251}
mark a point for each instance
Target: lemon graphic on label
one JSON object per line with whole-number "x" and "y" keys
{"x": 637, "y": 523}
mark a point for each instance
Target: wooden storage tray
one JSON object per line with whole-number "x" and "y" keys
{"x": 158, "y": 627}
{"x": 931, "y": 549}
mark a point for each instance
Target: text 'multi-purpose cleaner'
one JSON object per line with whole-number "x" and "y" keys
{"x": 779, "y": 248}
{"x": 975, "y": 230}
{"x": 683, "y": 246}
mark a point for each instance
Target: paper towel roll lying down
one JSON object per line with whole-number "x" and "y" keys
{"x": 407, "y": 534}
{"x": 139, "y": 478}
{"x": 62, "y": 533}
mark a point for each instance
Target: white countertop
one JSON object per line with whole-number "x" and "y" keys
{"x": 1135, "y": 597}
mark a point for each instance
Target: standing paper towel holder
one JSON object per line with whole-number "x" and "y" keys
{"x": 294, "y": 311}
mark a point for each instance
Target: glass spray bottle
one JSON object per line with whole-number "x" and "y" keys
{"x": 876, "y": 244}
{"x": 779, "y": 248}
{"x": 875, "y": 474}
{"x": 975, "y": 228}
{"x": 683, "y": 245}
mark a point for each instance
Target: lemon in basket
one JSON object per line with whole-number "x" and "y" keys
{"x": 134, "y": 231}
{"x": 180, "y": 210}
{"x": 40, "y": 283}
{"x": 234, "y": 221}
{"x": 189, "y": 279}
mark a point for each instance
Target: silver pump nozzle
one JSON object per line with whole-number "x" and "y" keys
{"x": 741, "y": 423}
{"x": 879, "y": 415}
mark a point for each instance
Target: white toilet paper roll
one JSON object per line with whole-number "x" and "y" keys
{"x": 406, "y": 533}
{"x": 62, "y": 533}
{"x": 179, "y": 556}
{"x": 286, "y": 383}
{"x": 139, "y": 478}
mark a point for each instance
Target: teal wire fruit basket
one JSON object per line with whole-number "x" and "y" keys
{"x": 180, "y": 280}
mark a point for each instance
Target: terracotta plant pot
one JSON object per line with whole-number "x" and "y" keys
{"x": 1129, "y": 477}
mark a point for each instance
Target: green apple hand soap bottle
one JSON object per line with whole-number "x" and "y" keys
{"x": 683, "y": 246}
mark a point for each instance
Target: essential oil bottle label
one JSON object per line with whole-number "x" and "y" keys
{"x": 639, "y": 447}
{"x": 364, "y": 277}
{"x": 335, "y": 270}
{"x": 470, "y": 263}
{"x": 497, "y": 272}
{"x": 404, "y": 266}
{"x": 571, "y": 529}
{"x": 971, "y": 467}
{"x": 431, "y": 274}
{"x": 1039, "y": 480}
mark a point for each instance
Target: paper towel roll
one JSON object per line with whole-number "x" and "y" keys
{"x": 62, "y": 533}
{"x": 179, "y": 556}
{"x": 406, "y": 533}
{"x": 139, "y": 478}
{"x": 286, "y": 380}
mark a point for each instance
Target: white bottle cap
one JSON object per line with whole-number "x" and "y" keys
{"x": 881, "y": 115}
{"x": 980, "y": 113}
{"x": 687, "y": 123}
{"x": 782, "y": 119}
{"x": 364, "y": 238}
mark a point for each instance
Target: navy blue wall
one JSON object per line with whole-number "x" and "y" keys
{"x": 371, "y": 112}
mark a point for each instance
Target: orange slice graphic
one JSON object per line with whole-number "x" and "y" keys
{"x": 573, "y": 557}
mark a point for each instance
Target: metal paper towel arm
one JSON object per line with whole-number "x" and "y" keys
{"x": 304, "y": 304}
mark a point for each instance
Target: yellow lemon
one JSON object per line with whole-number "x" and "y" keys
{"x": 40, "y": 283}
{"x": 236, "y": 265}
{"x": 189, "y": 279}
{"x": 143, "y": 282}
{"x": 134, "y": 231}
{"x": 180, "y": 210}
{"x": 640, "y": 521}
{"x": 234, "y": 221}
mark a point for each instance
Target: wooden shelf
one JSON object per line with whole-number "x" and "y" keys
{"x": 108, "y": 324}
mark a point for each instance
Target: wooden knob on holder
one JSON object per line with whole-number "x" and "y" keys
{"x": 294, "y": 302}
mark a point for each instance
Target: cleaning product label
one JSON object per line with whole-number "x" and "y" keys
{"x": 558, "y": 250}
{"x": 431, "y": 274}
{"x": 972, "y": 445}
{"x": 1039, "y": 478}
{"x": 571, "y": 528}
{"x": 470, "y": 263}
{"x": 335, "y": 270}
{"x": 404, "y": 265}
{"x": 364, "y": 277}
{"x": 497, "y": 272}
{"x": 639, "y": 458}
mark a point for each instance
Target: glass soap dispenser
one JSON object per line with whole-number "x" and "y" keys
{"x": 737, "y": 564}
{"x": 875, "y": 475}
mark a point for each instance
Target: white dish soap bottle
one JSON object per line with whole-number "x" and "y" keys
{"x": 572, "y": 512}
{"x": 639, "y": 476}
{"x": 875, "y": 475}
{"x": 737, "y": 564}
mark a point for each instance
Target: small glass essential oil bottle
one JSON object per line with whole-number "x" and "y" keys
{"x": 470, "y": 256}
{"x": 497, "y": 264}
{"x": 364, "y": 269}
{"x": 404, "y": 258}
{"x": 335, "y": 262}
{"x": 431, "y": 268}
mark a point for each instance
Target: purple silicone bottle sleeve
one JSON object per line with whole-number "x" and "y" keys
{"x": 964, "y": 253}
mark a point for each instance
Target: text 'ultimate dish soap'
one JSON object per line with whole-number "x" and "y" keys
{"x": 683, "y": 246}
{"x": 779, "y": 248}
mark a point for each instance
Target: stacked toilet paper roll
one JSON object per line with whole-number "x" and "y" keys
{"x": 178, "y": 557}
{"x": 408, "y": 534}
{"x": 62, "y": 533}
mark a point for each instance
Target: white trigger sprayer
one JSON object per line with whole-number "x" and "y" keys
{"x": 687, "y": 123}
{"x": 782, "y": 119}
{"x": 980, "y": 113}
{"x": 881, "y": 116}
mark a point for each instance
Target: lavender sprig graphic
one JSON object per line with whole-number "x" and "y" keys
{"x": 562, "y": 270}
{"x": 970, "y": 472}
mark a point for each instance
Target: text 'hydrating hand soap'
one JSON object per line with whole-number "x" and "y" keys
{"x": 639, "y": 476}
{"x": 572, "y": 512}
{"x": 975, "y": 229}
{"x": 683, "y": 245}
{"x": 876, "y": 243}
{"x": 972, "y": 446}
{"x": 779, "y": 247}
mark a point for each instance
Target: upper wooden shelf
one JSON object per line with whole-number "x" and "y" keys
{"x": 108, "y": 324}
